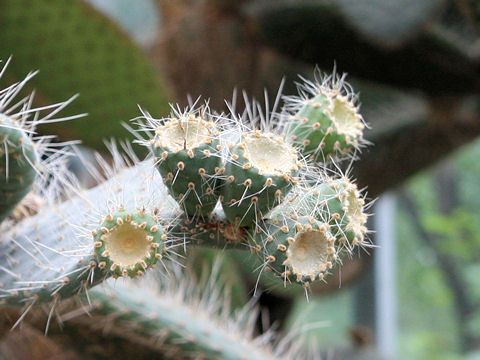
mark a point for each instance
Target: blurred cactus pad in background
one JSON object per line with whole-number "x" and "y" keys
{"x": 246, "y": 226}
{"x": 81, "y": 51}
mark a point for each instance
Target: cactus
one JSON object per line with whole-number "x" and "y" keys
{"x": 79, "y": 50}
{"x": 192, "y": 314}
{"x": 298, "y": 249}
{"x": 260, "y": 171}
{"x": 53, "y": 254}
{"x": 21, "y": 149}
{"x": 47, "y": 247}
{"x": 220, "y": 182}
{"x": 129, "y": 242}
{"x": 325, "y": 121}
{"x": 187, "y": 150}
{"x": 336, "y": 202}
{"x": 17, "y": 166}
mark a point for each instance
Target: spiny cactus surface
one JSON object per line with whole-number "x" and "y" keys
{"x": 324, "y": 120}
{"x": 299, "y": 249}
{"x": 129, "y": 242}
{"x": 187, "y": 151}
{"x": 217, "y": 180}
{"x": 17, "y": 172}
{"x": 193, "y": 316}
{"x": 27, "y": 160}
{"x": 260, "y": 170}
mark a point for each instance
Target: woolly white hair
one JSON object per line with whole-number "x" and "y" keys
{"x": 180, "y": 310}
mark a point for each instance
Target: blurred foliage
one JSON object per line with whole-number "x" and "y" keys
{"x": 433, "y": 309}
{"x": 316, "y": 314}
{"x": 462, "y": 223}
{"x": 425, "y": 310}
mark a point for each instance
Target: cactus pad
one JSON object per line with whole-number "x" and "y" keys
{"x": 17, "y": 165}
{"x": 339, "y": 203}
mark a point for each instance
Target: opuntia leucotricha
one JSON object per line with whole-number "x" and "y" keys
{"x": 27, "y": 160}
{"x": 324, "y": 121}
{"x": 336, "y": 202}
{"x": 298, "y": 220}
{"x": 298, "y": 249}
{"x": 128, "y": 242}
{"x": 187, "y": 151}
{"x": 263, "y": 175}
{"x": 260, "y": 171}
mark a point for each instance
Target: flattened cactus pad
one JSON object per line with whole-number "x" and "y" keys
{"x": 17, "y": 165}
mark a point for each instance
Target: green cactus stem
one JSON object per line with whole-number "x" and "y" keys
{"x": 298, "y": 249}
{"x": 28, "y": 163}
{"x": 193, "y": 317}
{"x": 325, "y": 122}
{"x": 260, "y": 171}
{"x": 51, "y": 255}
{"x": 187, "y": 151}
{"x": 17, "y": 165}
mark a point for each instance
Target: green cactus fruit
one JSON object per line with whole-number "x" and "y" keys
{"x": 260, "y": 171}
{"x": 299, "y": 249}
{"x": 129, "y": 242}
{"x": 325, "y": 122}
{"x": 17, "y": 165}
{"x": 339, "y": 203}
{"x": 187, "y": 153}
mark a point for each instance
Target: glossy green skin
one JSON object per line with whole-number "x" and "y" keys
{"x": 202, "y": 200}
{"x": 17, "y": 151}
{"x": 237, "y": 196}
{"x": 138, "y": 218}
{"x": 301, "y": 128}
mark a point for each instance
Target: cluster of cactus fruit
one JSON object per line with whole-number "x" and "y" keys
{"x": 223, "y": 181}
